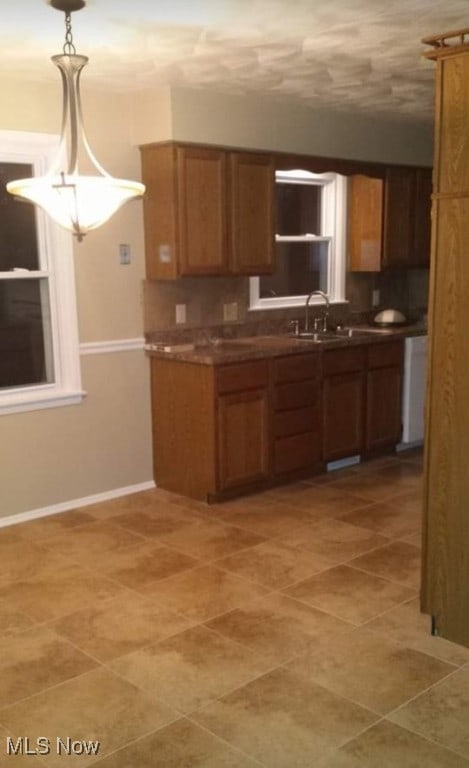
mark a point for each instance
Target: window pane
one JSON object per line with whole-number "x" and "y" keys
{"x": 18, "y": 241}
{"x": 25, "y": 345}
{"x": 300, "y": 269}
{"x": 298, "y": 209}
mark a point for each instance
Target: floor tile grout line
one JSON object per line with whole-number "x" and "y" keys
{"x": 413, "y": 587}
{"x": 47, "y": 689}
{"x": 227, "y": 743}
{"x": 227, "y": 692}
{"x": 422, "y": 735}
{"x": 454, "y": 672}
{"x": 405, "y": 646}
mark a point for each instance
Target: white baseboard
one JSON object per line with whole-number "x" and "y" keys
{"x": 65, "y": 506}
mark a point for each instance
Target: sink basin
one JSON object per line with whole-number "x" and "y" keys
{"x": 343, "y": 333}
{"x": 350, "y": 333}
{"x": 315, "y": 336}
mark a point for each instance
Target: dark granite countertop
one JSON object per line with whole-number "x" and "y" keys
{"x": 224, "y": 351}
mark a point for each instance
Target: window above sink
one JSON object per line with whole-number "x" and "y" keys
{"x": 310, "y": 241}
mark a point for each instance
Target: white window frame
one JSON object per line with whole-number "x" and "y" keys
{"x": 333, "y": 230}
{"x": 56, "y": 265}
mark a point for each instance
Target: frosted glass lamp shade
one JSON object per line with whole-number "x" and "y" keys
{"x": 78, "y": 203}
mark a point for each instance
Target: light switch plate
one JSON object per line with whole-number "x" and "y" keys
{"x": 124, "y": 253}
{"x": 375, "y": 298}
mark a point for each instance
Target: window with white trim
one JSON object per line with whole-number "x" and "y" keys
{"x": 39, "y": 354}
{"x": 310, "y": 241}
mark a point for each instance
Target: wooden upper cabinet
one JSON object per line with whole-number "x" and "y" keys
{"x": 202, "y": 221}
{"x": 207, "y": 211}
{"x": 365, "y": 223}
{"x": 398, "y": 212}
{"x": 252, "y": 190}
{"x": 159, "y": 211}
{"x": 389, "y": 219}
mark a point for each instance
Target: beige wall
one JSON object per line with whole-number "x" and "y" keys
{"x": 249, "y": 121}
{"x": 56, "y": 455}
{"x": 151, "y": 117}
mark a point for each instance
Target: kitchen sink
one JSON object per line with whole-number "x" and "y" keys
{"x": 315, "y": 336}
{"x": 342, "y": 333}
{"x": 351, "y": 333}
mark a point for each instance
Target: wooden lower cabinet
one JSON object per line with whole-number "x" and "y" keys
{"x": 184, "y": 427}
{"x": 211, "y": 427}
{"x": 383, "y": 408}
{"x": 296, "y": 414}
{"x": 384, "y": 396}
{"x": 243, "y": 435}
{"x": 343, "y": 402}
{"x": 223, "y": 430}
{"x": 362, "y": 399}
{"x": 343, "y": 409}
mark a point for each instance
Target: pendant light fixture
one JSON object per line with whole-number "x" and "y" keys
{"x": 78, "y": 203}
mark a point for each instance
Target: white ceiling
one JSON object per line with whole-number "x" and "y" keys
{"x": 354, "y": 55}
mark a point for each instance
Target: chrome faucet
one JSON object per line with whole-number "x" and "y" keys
{"x": 326, "y": 313}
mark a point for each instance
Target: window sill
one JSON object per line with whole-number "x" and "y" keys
{"x": 37, "y": 398}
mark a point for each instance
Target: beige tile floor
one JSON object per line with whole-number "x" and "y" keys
{"x": 280, "y": 630}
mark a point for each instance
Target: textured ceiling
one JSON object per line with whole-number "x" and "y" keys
{"x": 353, "y": 55}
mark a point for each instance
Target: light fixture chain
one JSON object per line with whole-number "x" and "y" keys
{"x": 69, "y": 48}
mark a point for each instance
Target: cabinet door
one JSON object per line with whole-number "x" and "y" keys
{"x": 343, "y": 415}
{"x": 383, "y": 408}
{"x": 365, "y": 223}
{"x": 420, "y": 255}
{"x": 398, "y": 213}
{"x": 202, "y": 220}
{"x": 159, "y": 211}
{"x": 252, "y": 189}
{"x": 243, "y": 451}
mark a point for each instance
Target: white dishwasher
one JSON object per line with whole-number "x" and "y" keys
{"x": 413, "y": 400}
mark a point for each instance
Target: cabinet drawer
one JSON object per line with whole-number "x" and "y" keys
{"x": 297, "y": 368}
{"x": 296, "y": 452}
{"x": 384, "y": 355}
{"x": 296, "y": 422}
{"x": 296, "y": 395}
{"x": 343, "y": 360}
{"x": 235, "y": 378}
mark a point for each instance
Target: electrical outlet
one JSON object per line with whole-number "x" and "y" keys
{"x": 375, "y": 298}
{"x": 164, "y": 253}
{"x": 180, "y": 313}
{"x": 124, "y": 253}
{"x": 230, "y": 312}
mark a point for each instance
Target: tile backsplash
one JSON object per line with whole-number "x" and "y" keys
{"x": 205, "y": 297}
